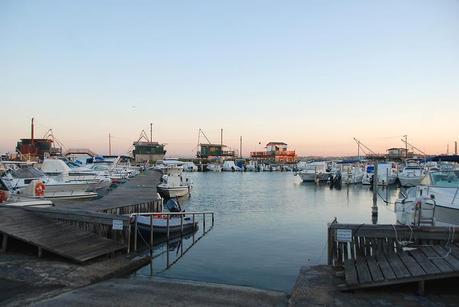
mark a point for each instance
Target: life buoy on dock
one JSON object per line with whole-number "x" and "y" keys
{"x": 40, "y": 189}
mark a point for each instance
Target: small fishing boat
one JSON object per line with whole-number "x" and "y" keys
{"x": 214, "y": 167}
{"x": 368, "y": 174}
{"x": 314, "y": 171}
{"x": 161, "y": 222}
{"x": 230, "y": 166}
{"x": 173, "y": 184}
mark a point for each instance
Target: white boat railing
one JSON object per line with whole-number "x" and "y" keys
{"x": 169, "y": 215}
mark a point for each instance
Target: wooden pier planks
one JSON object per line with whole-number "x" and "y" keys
{"x": 55, "y": 237}
{"x": 416, "y": 265}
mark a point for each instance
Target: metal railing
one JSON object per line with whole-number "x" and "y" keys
{"x": 169, "y": 215}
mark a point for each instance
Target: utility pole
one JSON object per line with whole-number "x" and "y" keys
{"x": 406, "y": 146}
{"x": 109, "y": 144}
{"x": 32, "y": 131}
{"x": 151, "y": 132}
{"x": 455, "y": 148}
{"x": 240, "y": 147}
{"x": 221, "y": 137}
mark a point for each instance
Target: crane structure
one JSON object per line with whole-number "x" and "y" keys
{"x": 411, "y": 146}
{"x": 365, "y": 149}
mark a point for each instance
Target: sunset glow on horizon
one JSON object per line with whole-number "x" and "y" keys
{"x": 312, "y": 74}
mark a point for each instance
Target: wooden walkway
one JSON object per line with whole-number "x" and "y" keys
{"x": 52, "y": 236}
{"x": 140, "y": 189}
{"x": 415, "y": 265}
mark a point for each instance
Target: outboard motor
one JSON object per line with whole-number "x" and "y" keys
{"x": 173, "y": 205}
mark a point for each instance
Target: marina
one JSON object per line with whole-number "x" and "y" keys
{"x": 239, "y": 153}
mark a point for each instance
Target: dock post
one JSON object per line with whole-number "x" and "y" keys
{"x": 181, "y": 224}
{"x": 374, "y": 208}
{"x": 212, "y": 219}
{"x": 4, "y": 243}
{"x": 151, "y": 231}
{"x": 421, "y": 287}
{"x": 203, "y": 222}
{"x": 168, "y": 227}
{"x": 129, "y": 238}
{"x": 194, "y": 227}
{"x": 40, "y": 252}
{"x": 135, "y": 234}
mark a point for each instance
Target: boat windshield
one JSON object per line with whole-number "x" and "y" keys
{"x": 445, "y": 179}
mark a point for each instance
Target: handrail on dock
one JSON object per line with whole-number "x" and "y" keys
{"x": 352, "y": 241}
{"x": 168, "y": 215}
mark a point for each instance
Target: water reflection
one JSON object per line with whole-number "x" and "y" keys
{"x": 166, "y": 253}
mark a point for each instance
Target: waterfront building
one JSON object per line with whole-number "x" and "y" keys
{"x": 148, "y": 151}
{"x": 275, "y": 152}
{"x": 209, "y": 151}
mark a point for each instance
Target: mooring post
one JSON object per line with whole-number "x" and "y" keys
{"x": 168, "y": 229}
{"x": 40, "y": 252}
{"x": 181, "y": 224}
{"x": 374, "y": 208}
{"x": 203, "y": 222}
{"x": 387, "y": 184}
{"x": 135, "y": 234}
{"x": 421, "y": 287}
{"x": 4, "y": 243}
{"x": 129, "y": 238}
{"x": 212, "y": 219}
{"x": 151, "y": 231}
{"x": 194, "y": 225}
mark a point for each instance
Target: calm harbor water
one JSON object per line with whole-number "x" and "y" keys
{"x": 267, "y": 225}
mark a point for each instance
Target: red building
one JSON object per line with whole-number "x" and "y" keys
{"x": 275, "y": 152}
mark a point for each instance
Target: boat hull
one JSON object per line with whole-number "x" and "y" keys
{"x": 172, "y": 192}
{"x": 312, "y": 177}
{"x": 160, "y": 225}
{"x": 409, "y": 181}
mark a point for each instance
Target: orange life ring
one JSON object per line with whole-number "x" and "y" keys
{"x": 40, "y": 189}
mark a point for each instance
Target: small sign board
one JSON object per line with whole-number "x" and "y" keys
{"x": 344, "y": 235}
{"x": 117, "y": 224}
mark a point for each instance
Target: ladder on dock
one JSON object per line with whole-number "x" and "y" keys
{"x": 53, "y": 236}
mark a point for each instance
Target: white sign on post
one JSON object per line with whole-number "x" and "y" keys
{"x": 344, "y": 235}
{"x": 117, "y": 224}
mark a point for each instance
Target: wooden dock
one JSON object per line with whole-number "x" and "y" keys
{"x": 52, "y": 236}
{"x": 416, "y": 265}
{"x": 379, "y": 255}
{"x": 83, "y": 230}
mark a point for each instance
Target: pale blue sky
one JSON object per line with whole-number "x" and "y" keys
{"x": 311, "y": 73}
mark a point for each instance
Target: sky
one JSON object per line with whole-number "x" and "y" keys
{"x": 313, "y": 74}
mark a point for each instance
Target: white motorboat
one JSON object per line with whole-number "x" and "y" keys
{"x": 314, "y": 172}
{"x": 61, "y": 170}
{"x": 161, "y": 223}
{"x": 214, "y": 167}
{"x": 411, "y": 175}
{"x": 190, "y": 167}
{"x": 17, "y": 180}
{"x": 230, "y": 166}
{"x": 351, "y": 172}
{"x": 434, "y": 202}
{"x": 12, "y": 200}
{"x": 387, "y": 173}
{"x": 38, "y": 190}
{"x": 368, "y": 174}
{"x": 173, "y": 184}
